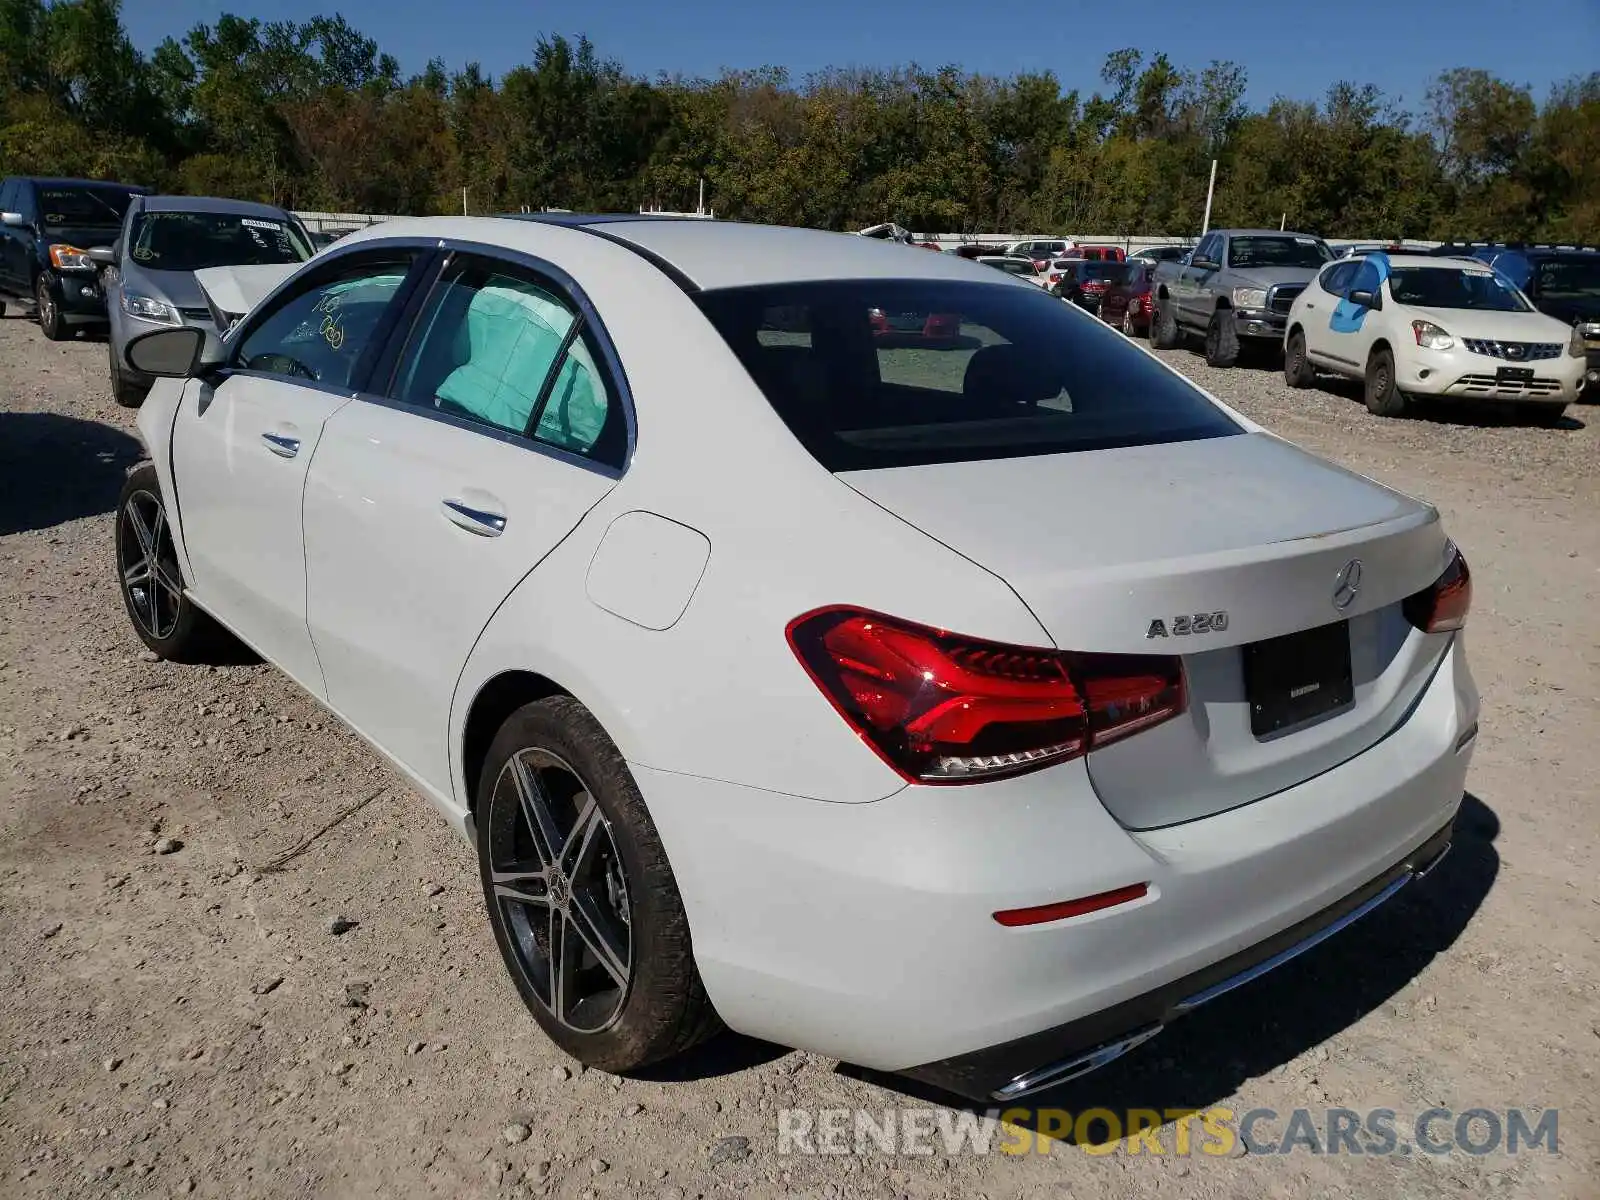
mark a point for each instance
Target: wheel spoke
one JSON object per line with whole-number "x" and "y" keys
{"x": 141, "y": 530}
{"x": 522, "y": 883}
{"x": 586, "y": 920}
{"x": 169, "y": 581}
{"x": 535, "y": 804}
{"x": 575, "y": 849}
{"x": 137, "y": 574}
{"x": 563, "y": 967}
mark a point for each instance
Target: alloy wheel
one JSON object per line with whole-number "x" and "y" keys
{"x": 148, "y": 562}
{"x": 561, "y": 889}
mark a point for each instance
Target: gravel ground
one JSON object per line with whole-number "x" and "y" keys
{"x": 178, "y": 1018}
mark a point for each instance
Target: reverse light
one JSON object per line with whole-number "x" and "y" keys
{"x": 69, "y": 258}
{"x": 149, "y": 309}
{"x": 1443, "y": 605}
{"x": 942, "y": 708}
{"x": 1250, "y": 297}
{"x": 1430, "y": 336}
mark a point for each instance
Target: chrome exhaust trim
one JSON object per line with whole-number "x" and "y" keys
{"x": 1045, "y": 1077}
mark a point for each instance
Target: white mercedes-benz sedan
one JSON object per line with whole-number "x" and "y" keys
{"x": 844, "y": 643}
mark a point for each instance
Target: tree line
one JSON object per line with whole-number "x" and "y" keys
{"x": 313, "y": 115}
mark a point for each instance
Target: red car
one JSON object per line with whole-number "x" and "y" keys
{"x": 1100, "y": 253}
{"x": 1127, "y": 303}
{"x": 1083, "y": 281}
{"x": 933, "y": 327}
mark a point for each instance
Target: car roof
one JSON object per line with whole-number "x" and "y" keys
{"x": 67, "y": 181}
{"x": 702, "y": 254}
{"x": 1283, "y": 233}
{"x": 212, "y": 204}
{"x": 1420, "y": 260}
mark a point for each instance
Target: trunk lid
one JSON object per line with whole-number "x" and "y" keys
{"x": 1102, "y": 544}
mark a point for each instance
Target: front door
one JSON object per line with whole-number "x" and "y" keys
{"x": 423, "y": 511}
{"x": 242, "y": 444}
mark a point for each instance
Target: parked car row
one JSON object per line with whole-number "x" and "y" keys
{"x": 89, "y": 254}
{"x": 1519, "y": 326}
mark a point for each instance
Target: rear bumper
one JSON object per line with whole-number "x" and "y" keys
{"x": 866, "y": 931}
{"x": 1043, "y": 1060}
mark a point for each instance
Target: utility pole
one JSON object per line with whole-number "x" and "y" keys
{"x": 463, "y": 201}
{"x": 1205, "y": 225}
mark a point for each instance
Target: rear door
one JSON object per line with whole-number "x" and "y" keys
{"x": 242, "y": 444}
{"x": 504, "y": 424}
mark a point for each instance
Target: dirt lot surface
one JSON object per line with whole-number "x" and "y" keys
{"x": 174, "y": 1019}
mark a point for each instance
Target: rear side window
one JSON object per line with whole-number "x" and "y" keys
{"x": 903, "y": 373}
{"x": 499, "y": 347}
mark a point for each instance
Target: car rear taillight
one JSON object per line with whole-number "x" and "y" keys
{"x": 1442, "y": 606}
{"x": 942, "y": 708}
{"x": 1056, "y": 278}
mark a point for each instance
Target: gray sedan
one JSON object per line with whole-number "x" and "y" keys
{"x": 149, "y": 271}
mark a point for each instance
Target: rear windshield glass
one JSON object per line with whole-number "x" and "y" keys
{"x": 60, "y": 207}
{"x": 1285, "y": 251}
{"x": 890, "y": 373}
{"x": 192, "y": 241}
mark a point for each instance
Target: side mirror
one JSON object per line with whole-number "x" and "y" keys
{"x": 12, "y": 218}
{"x": 1204, "y": 264}
{"x": 1366, "y": 299}
{"x": 105, "y": 256}
{"x": 183, "y": 353}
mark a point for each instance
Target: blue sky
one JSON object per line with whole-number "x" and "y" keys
{"x": 1397, "y": 44}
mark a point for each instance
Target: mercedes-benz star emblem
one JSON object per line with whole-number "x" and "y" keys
{"x": 1347, "y": 584}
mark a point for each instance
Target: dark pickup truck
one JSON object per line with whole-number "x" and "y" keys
{"x": 1235, "y": 288}
{"x": 47, "y": 227}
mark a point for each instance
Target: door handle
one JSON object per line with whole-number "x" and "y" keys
{"x": 474, "y": 520}
{"x": 282, "y": 444}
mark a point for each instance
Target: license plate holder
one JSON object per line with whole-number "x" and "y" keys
{"x": 1514, "y": 375}
{"x": 1298, "y": 677}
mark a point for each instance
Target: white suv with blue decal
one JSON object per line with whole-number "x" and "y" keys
{"x": 1414, "y": 325}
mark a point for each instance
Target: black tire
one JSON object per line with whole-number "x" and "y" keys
{"x": 1164, "y": 332}
{"x": 1542, "y": 412}
{"x": 1297, "y": 369}
{"x": 51, "y": 323}
{"x": 2, "y": 308}
{"x": 1222, "y": 340}
{"x": 124, "y": 391}
{"x": 1384, "y": 398}
{"x": 622, "y": 894}
{"x": 164, "y": 617}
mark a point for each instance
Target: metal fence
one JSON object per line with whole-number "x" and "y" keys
{"x": 321, "y": 222}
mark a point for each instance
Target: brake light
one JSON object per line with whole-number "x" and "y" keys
{"x": 942, "y": 708}
{"x": 1056, "y": 278}
{"x": 1442, "y": 606}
